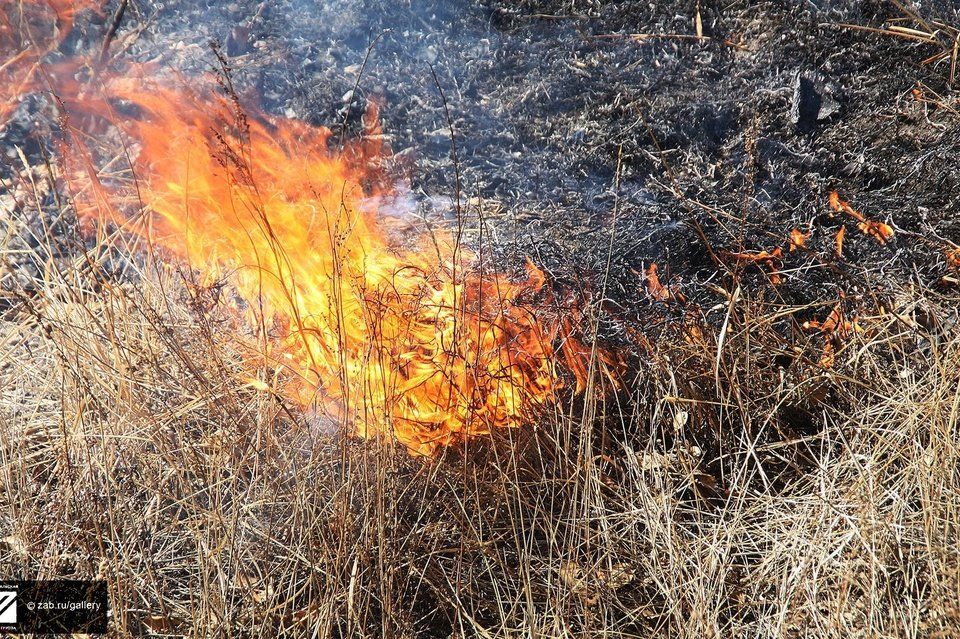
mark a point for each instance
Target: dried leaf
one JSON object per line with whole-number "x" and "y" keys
{"x": 838, "y": 241}
{"x": 16, "y": 544}
{"x": 256, "y": 384}
{"x": 575, "y": 579}
{"x": 588, "y": 583}
{"x": 656, "y": 461}
{"x": 680, "y": 419}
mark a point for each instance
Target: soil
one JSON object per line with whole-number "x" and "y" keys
{"x": 577, "y": 134}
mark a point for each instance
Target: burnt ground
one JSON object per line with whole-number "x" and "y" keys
{"x": 546, "y": 98}
{"x": 587, "y": 143}
{"x": 723, "y": 144}
{"x": 600, "y": 138}
{"x": 594, "y": 132}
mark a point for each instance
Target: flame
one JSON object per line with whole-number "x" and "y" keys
{"x": 655, "y": 288}
{"x": 773, "y": 260}
{"x": 838, "y": 241}
{"x": 407, "y": 342}
{"x": 412, "y": 340}
{"x": 879, "y": 231}
{"x": 798, "y": 239}
{"x": 836, "y": 329}
{"x": 30, "y": 31}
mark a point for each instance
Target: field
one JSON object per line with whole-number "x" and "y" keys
{"x": 736, "y": 331}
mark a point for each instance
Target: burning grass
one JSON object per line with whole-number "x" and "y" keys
{"x": 200, "y": 309}
{"x": 420, "y": 342}
{"x": 134, "y": 452}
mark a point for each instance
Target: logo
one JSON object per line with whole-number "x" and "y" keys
{"x": 8, "y": 606}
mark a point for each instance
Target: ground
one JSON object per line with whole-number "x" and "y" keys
{"x": 757, "y": 471}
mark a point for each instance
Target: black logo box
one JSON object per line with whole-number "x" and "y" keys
{"x": 57, "y": 607}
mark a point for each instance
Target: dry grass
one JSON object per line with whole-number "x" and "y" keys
{"x": 693, "y": 504}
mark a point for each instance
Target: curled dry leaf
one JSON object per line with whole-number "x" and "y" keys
{"x": 160, "y": 624}
{"x": 575, "y": 578}
{"x": 256, "y": 384}
{"x": 16, "y": 544}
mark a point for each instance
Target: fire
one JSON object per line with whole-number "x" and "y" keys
{"x": 29, "y": 31}
{"x": 411, "y": 340}
{"x": 773, "y": 260}
{"x": 798, "y": 239}
{"x": 879, "y": 231}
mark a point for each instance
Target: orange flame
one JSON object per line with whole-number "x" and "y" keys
{"x": 798, "y": 239}
{"x": 386, "y": 339}
{"x": 880, "y": 231}
{"x": 412, "y": 341}
{"x": 29, "y": 31}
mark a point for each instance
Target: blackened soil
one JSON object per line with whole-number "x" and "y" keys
{"x": 577, "y": 122}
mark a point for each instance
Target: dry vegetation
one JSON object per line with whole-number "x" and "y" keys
{"x": 692, "y": 504}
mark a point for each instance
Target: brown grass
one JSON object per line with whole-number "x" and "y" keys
{"x": 719, "y": 495}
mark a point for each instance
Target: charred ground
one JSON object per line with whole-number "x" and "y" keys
{"x": 597, "y": 139}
